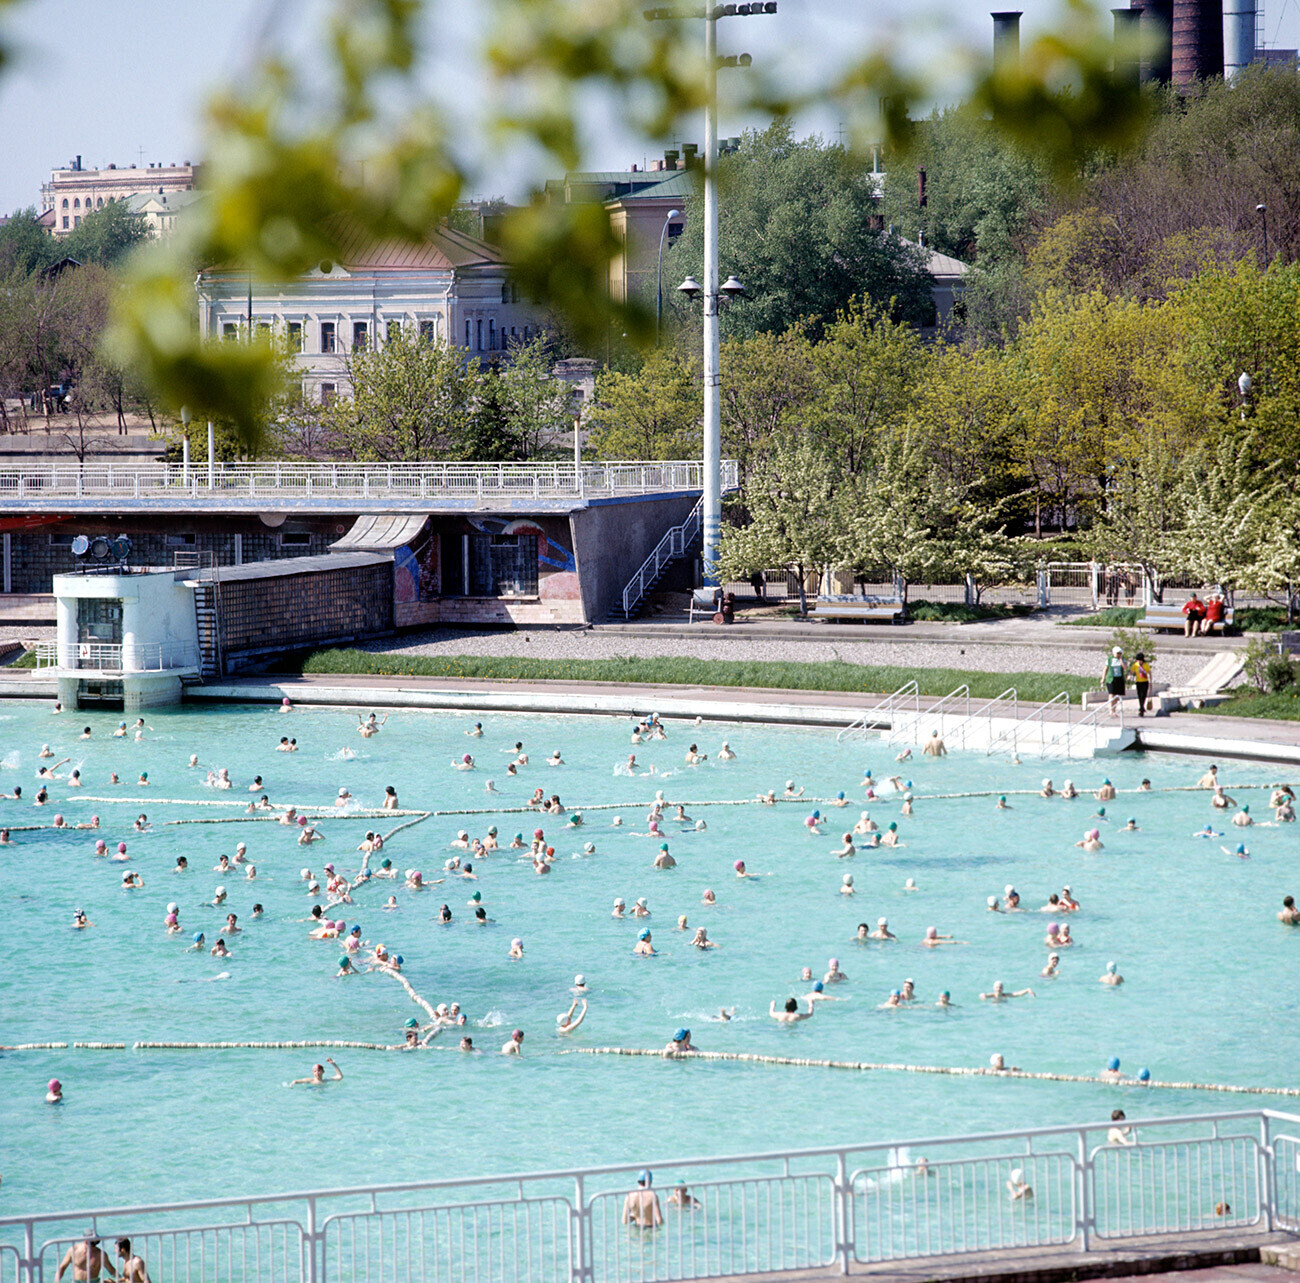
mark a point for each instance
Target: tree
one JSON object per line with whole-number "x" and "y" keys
{"x": 799, "y": 235}
{"x": 652, "y": 414}
{"x": 536, "y": 409}
{"x": 25, "y": 245}
{"x": 796, "y": 514}
{"x": 411, "y": 401}
{"x": 105, "y": 236}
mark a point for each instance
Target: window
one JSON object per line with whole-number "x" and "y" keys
{"x": 65, "y": 202}
{"x": 427, "y": 334}
{"x": 229, "y": 331}
{"x": 60, "y": 540}
{"x": 99, "y": 204}
{"x": 327, "y": 391}
{"x": 76, "y": 204}
{"x": 674, "y": 231}
{"x": 393, "y": 331}
{"x": 505, "y": 292}
{"x": 502, "y": 565}
{"x": 492, "y": 334}
{"x": 264, "y": 328}
{"x": 514, "y": 335}
{"x": 528, "y": 333}
{"x": 295, "y": 539}
{"x": 360, "y": 334}
{"x": 468, "y": 332}
{"x": 65, "y": 220}
{"x": 327, "y": 336}
{"x": 183, "y": 539}
{"x": 295, "y": 336}
{"x": 76, "y": 220}
{"x": 478, "y": 335}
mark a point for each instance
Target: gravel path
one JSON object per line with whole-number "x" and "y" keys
{"x": 1081, "y": 662}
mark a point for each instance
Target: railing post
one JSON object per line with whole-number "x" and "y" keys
{"x": 579, "y": 1218}
{"x": 1085, "y": 1213}
{"x": 27, "y": 1266}
{"x": 843, "y": 1215}
{"x": 1267, "y": 1172}
{"x": 312, "y": 1271}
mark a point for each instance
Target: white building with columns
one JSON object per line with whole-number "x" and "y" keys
{"x": 453, "y": 289}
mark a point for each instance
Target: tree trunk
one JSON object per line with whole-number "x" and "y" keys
{"x": 803, "y": 596}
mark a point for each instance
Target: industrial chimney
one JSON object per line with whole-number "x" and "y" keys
{"x": 1198, "y": 40}
{"x": 1238, "y": 36}
{"x": 1127, "y": 68}
{"x": 1006, "y": 41}
{"x": 1157, "y": 26}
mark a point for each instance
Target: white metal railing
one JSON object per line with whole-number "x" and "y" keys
{"x": 908, "y": 695}
{"x": 1224, "y": 1174}
{"x": 1018, "y": 730}
{"x": 1063, "y": 742}
{"x": 933, "y": 718}
{"x": 986, "y": 713}
{"x": 118, "y": 657}
{"x": 1093, "y": 583}
{"x": 36, "y": 485}
{"x": 673, "y": 545}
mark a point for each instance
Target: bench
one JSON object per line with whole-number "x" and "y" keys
{"x": 1170, "y": 615}
{"x": 868, "y": 609}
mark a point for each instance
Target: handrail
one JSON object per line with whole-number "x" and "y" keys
{"x": 986, "y": 709}
{"x": 1014, "y": 731}
{"x": 1093, "y": 719}
{"x": 134, "y": 657}
{"x": 886, "y": 705}
{"x": 674, "y": 544}
{"x": 899, "y": 729}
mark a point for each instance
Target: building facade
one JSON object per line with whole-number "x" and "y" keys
{"x": 451, "y": 289}
{"x": 74, "y": 192}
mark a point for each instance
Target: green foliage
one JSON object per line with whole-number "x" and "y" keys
{"x": 1280, "y": 673}
{"x": 674, "y": 671}
{"x": 1259, "y": 619}
{"x": 25, "y": 245}
{"x": 1256, "y": 656}
{"x": 653, "y": 413}
{"x": 1112, "y": 616}
{"x": 1248, "y": 702}
{"x": 536, "y": 412}
{"x": 106, "y": 237}
{"x": 1130, "y": 641}
{"x": 957, "y": 612}
{"x": 798, "y": 234}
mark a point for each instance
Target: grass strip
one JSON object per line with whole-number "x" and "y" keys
{"x": 1282, "y": 706}
{"x": 675, "y": 671}
{"x": 1111, "y": 617}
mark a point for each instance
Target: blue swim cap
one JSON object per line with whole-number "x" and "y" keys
{"x": 645, "y": 1178}
{"x": 840, "y": 795}
{"x": 1132, "y": 819}
{"x": 817, "y": 815}
{"x": 1144, "y": 1075}
{"x": 681, "y": 1035}
{"x": 386, "y": 864}
{"x": 1106, "y": 780}
{"x": 663, "y": 846}
{"x": 356, "y": 931}
{"x": 818, "y": 987}
{"x": 411, "y": 1023}
{"x": 1113, "y": 1063}
{"x": 643, "y": 934}
{"x": 908, "y": 784}
{"x": 198, "y": 937}
{"x": 1241, "y": 848}
{"x": 896, "y": 993}
{"x": 399, "y": 959}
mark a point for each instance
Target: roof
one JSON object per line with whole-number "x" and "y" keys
{"x": 379, "y": 532}
{"x": 442, "y": 248}
{"x": 943, "y": 264}
{"x": 674, "y": 186}
{"x": 137, "y": 201}
{"x": 293, "y": 566}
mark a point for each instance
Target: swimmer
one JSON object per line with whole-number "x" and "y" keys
{"x": 865, "y": 823}
{"x": 702, "y": 941}
{"x": 85, "y": 1256}
{"x": 1119, "y": 1135}
{"x": 890, "y": 836}
{"x": 999, "y": 1065}
{"x": 1221, "y": 801}
{"x": 475, "y": 731}
{"x": 934, "y": 746}
{"x": 833, "y": 974}
{"x": 1017, "y": 1189}
{"x": 219, "y": 949}
{"x": 232, "y": 924}
{"x": 285, "y": 706}
{"x": 1207, "y": 832}
{"x": 726, "y": 753}
{"x": 1011, "y": 899}
{"x": 904, "y": 756}
{"x": 681, "y": 815}
{"x": 74, "y": 780}
{"x": 1242, "y": 852}
{"x": 818, "y": 994}
{"x": 92, "y": 823}
{"x": 366, "y": 727}
{"x": 724, "y": 1014}
{"x": 1053, "y": 968}
{"x": 641, "y": 1206}
{"x": 932, "y": 939}
{"x": 1047, "y": 789}
{"x": 846, "y": 884}
{"x": 694, "y": 757}
{"x": 768, "y": 798}
{"x": 318, "y": 1078}
{"x": 1002, "y": 804}
{"x": 1106, "y": 792}
{"x": 390, "y": 799}
{"x": 741, "y": 871}
{"x": 640, "y": 909}
{"x": 1112, "y": 977}
{"x": 566, "y": 1023}
{"x": 1210, "y": 779}
{"x": 994, "y": 904}
{"x": 839, "y": 800}
{"x": 682, "y": 1197}
{"x": 663, "y": 860}
{"x": 1111, "y": 1073}
{"x": 1132, "y": 826}
{"x": 131, "y": 881}
{"x": 790, "y": 1013}
{"x": 894, "y": 1000}
{"x": 466, "y": 763}
{"x": 200, "y": 943}
{"x": 1091, "y": 841}
{"x": 47, "y": 772}
{"x": 945, "y": 1000}
{"x": 708, "y": 897}
{"x": 644, "y": 947}
{"x": 579, "y": 984}
{"x": 846, "y": 847}
{"x": 1242, "y": 819}
{"x": 790, "y": 790}
{"x": 515, "y": 1046}
{"x": 1000, "y": 993}
{"x": 882, "y": 931}
{"x": 619, "y": 905}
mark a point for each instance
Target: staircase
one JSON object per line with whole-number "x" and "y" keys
{"x": 677, "y": 542}
{"x": 207, "y": 614}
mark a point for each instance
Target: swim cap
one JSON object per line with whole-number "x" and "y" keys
{"x": 641, "y": 901}
{"x": 895, "y": 993}
{"x": 681, "y": 1035}
{"x": 1144, "y": 1075}
{"x": 344, "y": 962}
{"x": 993, "y": 902}
{"x": 892, "y": 825}
{"x": 944, "y": 994}
{"x": 1241, "y": 848}
{"x": 1016, "y": 1175}
{"x": 740, "y": 864}
{"x": 304, "y": 873}
{"x": 881, "y": 922}
{"x": 590, "y": 847}
{"x": 356, "y": 931}
{"x": 1132, "y": 819}
{"x": 411, "y": 1023}
{"x": 1106, "y": 780}
{"x": 645, "y": 1178}
{"x": 516, "y": 1034}
{"x": 817, "y": 815}
{"x": 170, "y": 920}
{"x": 579, "y": 979}
{"x": 386, "y": 864}
{"x": 477, "y": 896}
{"x": 101, "y": 845}
{"x": 619, "y": 902}
{"x": 1110, "y": 966}
{"x": 1003, "y": 798}
{"x": 833, "y": 964}
{"x": 907, "y": 784}
{"x": 467, "y": 758}
{"x": 144, "y": 775}
{"x": 839, "y": 797}
{"x": 643, "y": 934}
{"x": 1113, "y": 1063}
{"x": 55, "y": 1084}
{"x": 1094, "y": 833}
{"x": 818, "y": 987}
{"x": 302, "y": 819}
{"x": 221, "y": 890}
{"x": 198, "y": 937}
{"x": 1046, "y": 783}
{"x": 121, "y": 848}
{"x": 58, "y": 819}
{"x": 285, "y": 700}
{"x": 537, "y": 833}
{"x": 848, "y": 879}
{"x": 1101, "y": 810}
{"x": 516, "y": 943}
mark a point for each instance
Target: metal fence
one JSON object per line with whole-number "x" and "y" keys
{"x": 126, "y": 657}
{"x": 1025, "y": 1192}
{"x": 36, "y": 486}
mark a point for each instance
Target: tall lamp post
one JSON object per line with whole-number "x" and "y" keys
{"x": 659, "y": 273}
{"x": 712, "y": 512}
{"x": 1262, "y": 211}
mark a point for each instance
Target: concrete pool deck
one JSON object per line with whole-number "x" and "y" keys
{"x": 1211, "y": 736}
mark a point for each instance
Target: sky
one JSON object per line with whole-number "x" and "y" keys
{"x": 124, "y": 81}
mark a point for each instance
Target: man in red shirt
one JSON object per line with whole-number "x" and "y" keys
{"x": 1193, "y": 614}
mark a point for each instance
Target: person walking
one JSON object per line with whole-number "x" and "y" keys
{"x": 1112, "y": 679}
{"x": 1141, "y": 672}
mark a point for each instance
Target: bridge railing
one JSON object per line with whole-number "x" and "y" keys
{"x": 46, "y": 483}
{"x": 1020, "y": 1193}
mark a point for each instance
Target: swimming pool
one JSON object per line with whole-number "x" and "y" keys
{"x": 1209, "y": 971}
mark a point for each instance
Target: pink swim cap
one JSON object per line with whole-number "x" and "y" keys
{"x": 285, "y": 700}
{"x": 537, "y": 833}
{"x": 302, "y": 819}
{"x": 170, "y": 919}
{"x": 121, "y": 848}
{"x": 101, "y": 845}
{"x": 467, "y": 758}
{"x": 1094, "y": 833}
{"x": 55, "y": 1085}
{"x": 740, "y": 864}
{"x": 1053, "y": 927}
{"x": 58, "y": 819}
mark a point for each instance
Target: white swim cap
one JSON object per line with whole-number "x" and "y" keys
{"x": 171, "y": 908}
{"x": 304, "y": 874}
{"x": 789, "y": 784}
{"x": 848, "y": 879}
{"x": 221, "y": 890}
{"x": 1008, "y": 889}
{"x": 1046, "y": 783}
{"x": 580, "y": 980}
{"x": 993, "y": 902}
{"x": 882, "y": 922}
{"x": 1016, "y": 1175}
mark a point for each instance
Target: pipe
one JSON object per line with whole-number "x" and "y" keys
{"x": 1238, "y": 37}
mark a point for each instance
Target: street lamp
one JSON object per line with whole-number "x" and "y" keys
{"x": 712, "y": 498}
{"x": 185, "y": 446}
{"x": 1244, "y": 386}
{"x": 690, "y": 287}
{"x": 659, "y": 273}
{"x": 1262, "y": 211}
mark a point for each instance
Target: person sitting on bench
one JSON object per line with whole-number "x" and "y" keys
{"x": 1193, "y": 614}
{"x": 1214, "y": 605}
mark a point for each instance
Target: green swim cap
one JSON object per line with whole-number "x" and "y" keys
{"x": 411, "y": 1023}
{"x": 477, "y": 896}
{"x": 344, "y": 961}
{"x": 663, "y": 846}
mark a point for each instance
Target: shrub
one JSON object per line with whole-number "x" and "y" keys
{"x": 1280, "y": 673}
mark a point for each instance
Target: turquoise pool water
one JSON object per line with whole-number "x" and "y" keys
{"x": 1210, "y": 974}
